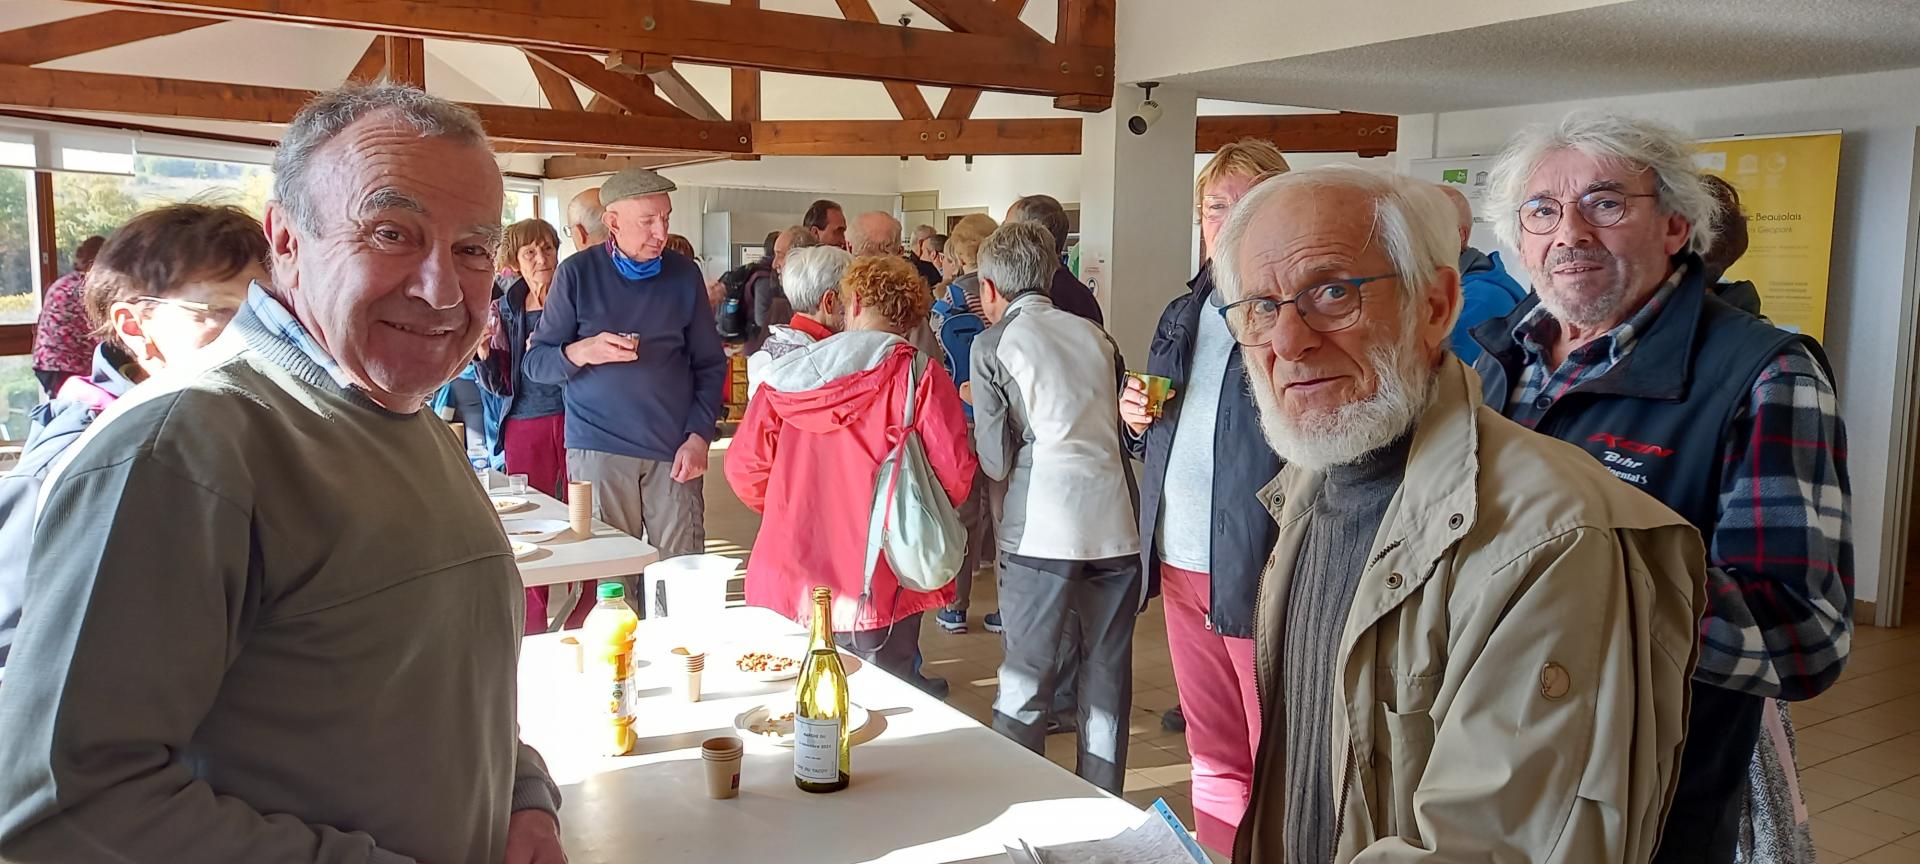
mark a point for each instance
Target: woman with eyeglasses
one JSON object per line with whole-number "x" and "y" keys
{"x": 163, "y": 288}
{"x": 532, "y": 433}
{"x": 1202, "y": 529}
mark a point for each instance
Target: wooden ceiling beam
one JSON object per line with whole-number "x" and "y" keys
{"x": 675, "y": 86}
{"x": 1366, "y": 134}
{"x": 565, "y": 167}
{"x": 29, "y": 87}
{"x": 558, "y": 88}
{"x": 1345, "y": 132}
{"x": 634, "y": 94}
{"x": 916, "y": 137}
{"x": 44, "y": 43}
{"x": 979, "y": 16}
{"x": 961, "y": 101}
{"x": 712, "y": 33}
{"x": 372, "y": 64}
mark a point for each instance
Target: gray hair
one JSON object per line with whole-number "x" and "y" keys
{"x": 799, "y": 237}
{"x": 1018, "y": 259}
{"x": 585, "y": 211}
{"x": 810, "y": 273}
{"x": 881, "y": 243}
{"x": 1643, "y": 145}
{"x": 1046, "y": 211}
{"x": 1412, "y": 221}
{"x": 333, "y": 111}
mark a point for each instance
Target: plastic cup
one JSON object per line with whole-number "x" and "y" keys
{"x": 1157, "y": 388}
{"x": 721, "y": 756}
{"x": 517, "y": 484}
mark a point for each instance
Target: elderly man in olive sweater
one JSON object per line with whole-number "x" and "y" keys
{"x": 628, "y": 331}
{"x": 271, "y": 616}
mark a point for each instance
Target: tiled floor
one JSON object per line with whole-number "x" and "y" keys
{"x": 1859, "y": 743}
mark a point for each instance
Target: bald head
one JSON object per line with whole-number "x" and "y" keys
{"x": 1463, "y": 208}
{"x": 586, "y": 219}
{"x": 874, "y": 233}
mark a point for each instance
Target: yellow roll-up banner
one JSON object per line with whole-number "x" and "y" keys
{"x": 1787, "y": 185}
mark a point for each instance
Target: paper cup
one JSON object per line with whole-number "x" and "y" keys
{"x": 693, "y": 667}
{"x": 576, "y": 653}
{"x": 721, "y": 756}
{"x": 580, "y": 507}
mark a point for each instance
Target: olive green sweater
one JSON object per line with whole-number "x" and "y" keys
{"x": 267, "y": 621}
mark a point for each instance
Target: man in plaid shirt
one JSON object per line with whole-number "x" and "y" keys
{"x": 1724, "y": 418}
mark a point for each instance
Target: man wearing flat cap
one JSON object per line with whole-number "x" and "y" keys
{"x": 629, "y": 333}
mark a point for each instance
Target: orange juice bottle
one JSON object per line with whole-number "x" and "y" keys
{"x": 609, "y": 630}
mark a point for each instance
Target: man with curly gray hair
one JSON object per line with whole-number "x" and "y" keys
{"x": 1728, "y": 420}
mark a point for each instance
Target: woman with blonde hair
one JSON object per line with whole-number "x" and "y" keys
{"x": 806, "y": 454}
{"x": 1202, "y": 528}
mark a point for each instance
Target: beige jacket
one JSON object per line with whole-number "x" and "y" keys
{"x": 1513, "y": 674}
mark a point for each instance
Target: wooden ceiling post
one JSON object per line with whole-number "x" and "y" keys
{"x": 406, "y": 61}
{"x": 1089, "y": 24}
{"x": 557, "y": 88}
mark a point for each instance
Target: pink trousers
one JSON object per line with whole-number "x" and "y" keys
{"x": 1214, "y": 675}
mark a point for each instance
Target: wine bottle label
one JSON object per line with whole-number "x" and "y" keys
{"x": 816, "y": 749}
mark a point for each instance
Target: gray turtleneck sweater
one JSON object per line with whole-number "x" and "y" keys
{"x": 1340, "y": 530}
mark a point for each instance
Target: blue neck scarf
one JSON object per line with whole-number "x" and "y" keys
{"x": 631, "y": 269}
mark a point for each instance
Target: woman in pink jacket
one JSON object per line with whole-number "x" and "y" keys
{"x": 806, "y": 453}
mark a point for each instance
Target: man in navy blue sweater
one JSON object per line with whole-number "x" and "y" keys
{"x": 629, "y": 333}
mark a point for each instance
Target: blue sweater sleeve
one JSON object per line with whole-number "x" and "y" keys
{"x": 709, "y": 362}
{"x": 546, "y": 360}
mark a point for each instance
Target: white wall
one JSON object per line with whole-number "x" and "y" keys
{"x": 1158, "y": 39}
{"x": 994, "y": 181}
{"x": 1867, "y": 324}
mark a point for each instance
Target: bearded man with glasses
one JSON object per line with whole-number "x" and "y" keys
{"x": 1471, "y": 643}
{"x": 1724, "y": 418}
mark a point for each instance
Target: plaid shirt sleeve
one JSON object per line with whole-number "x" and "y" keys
{"x": 1780, "y": 584}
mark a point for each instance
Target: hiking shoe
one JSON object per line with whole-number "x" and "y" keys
{"x": 951, "y": 620}
{"x": 993, "y": 623}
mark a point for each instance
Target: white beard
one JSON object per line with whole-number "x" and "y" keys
{"x": 1322, "y": 439}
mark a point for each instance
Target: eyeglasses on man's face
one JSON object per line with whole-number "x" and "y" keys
{"x": 1328, "y": 307}
{"x": 1601, "y": 208}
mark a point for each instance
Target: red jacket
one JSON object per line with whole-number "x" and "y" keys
{"x": 805, "y": 458}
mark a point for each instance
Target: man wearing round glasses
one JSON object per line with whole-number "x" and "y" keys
{"x": 1724, "y": 418}
{"x": 1471, "y": 642}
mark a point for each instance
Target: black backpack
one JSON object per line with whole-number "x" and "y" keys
{"x": 735, "y": 315}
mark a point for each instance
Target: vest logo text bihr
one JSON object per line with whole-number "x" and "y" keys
{"x": 1625, "y": 458}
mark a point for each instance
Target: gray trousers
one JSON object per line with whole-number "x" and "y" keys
{"x": 638, "y": 496}
{"x": 1096, "y": 601}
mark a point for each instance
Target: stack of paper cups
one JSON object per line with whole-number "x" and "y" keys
{"x": 695, "y": 664}
{"x": 580, "y": 507}
{"x": 721, "y": 756}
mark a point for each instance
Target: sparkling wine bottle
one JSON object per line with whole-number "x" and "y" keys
{"x": 820, "y": 750}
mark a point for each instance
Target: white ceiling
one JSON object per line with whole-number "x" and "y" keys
{"x": 1644, "y": 46}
